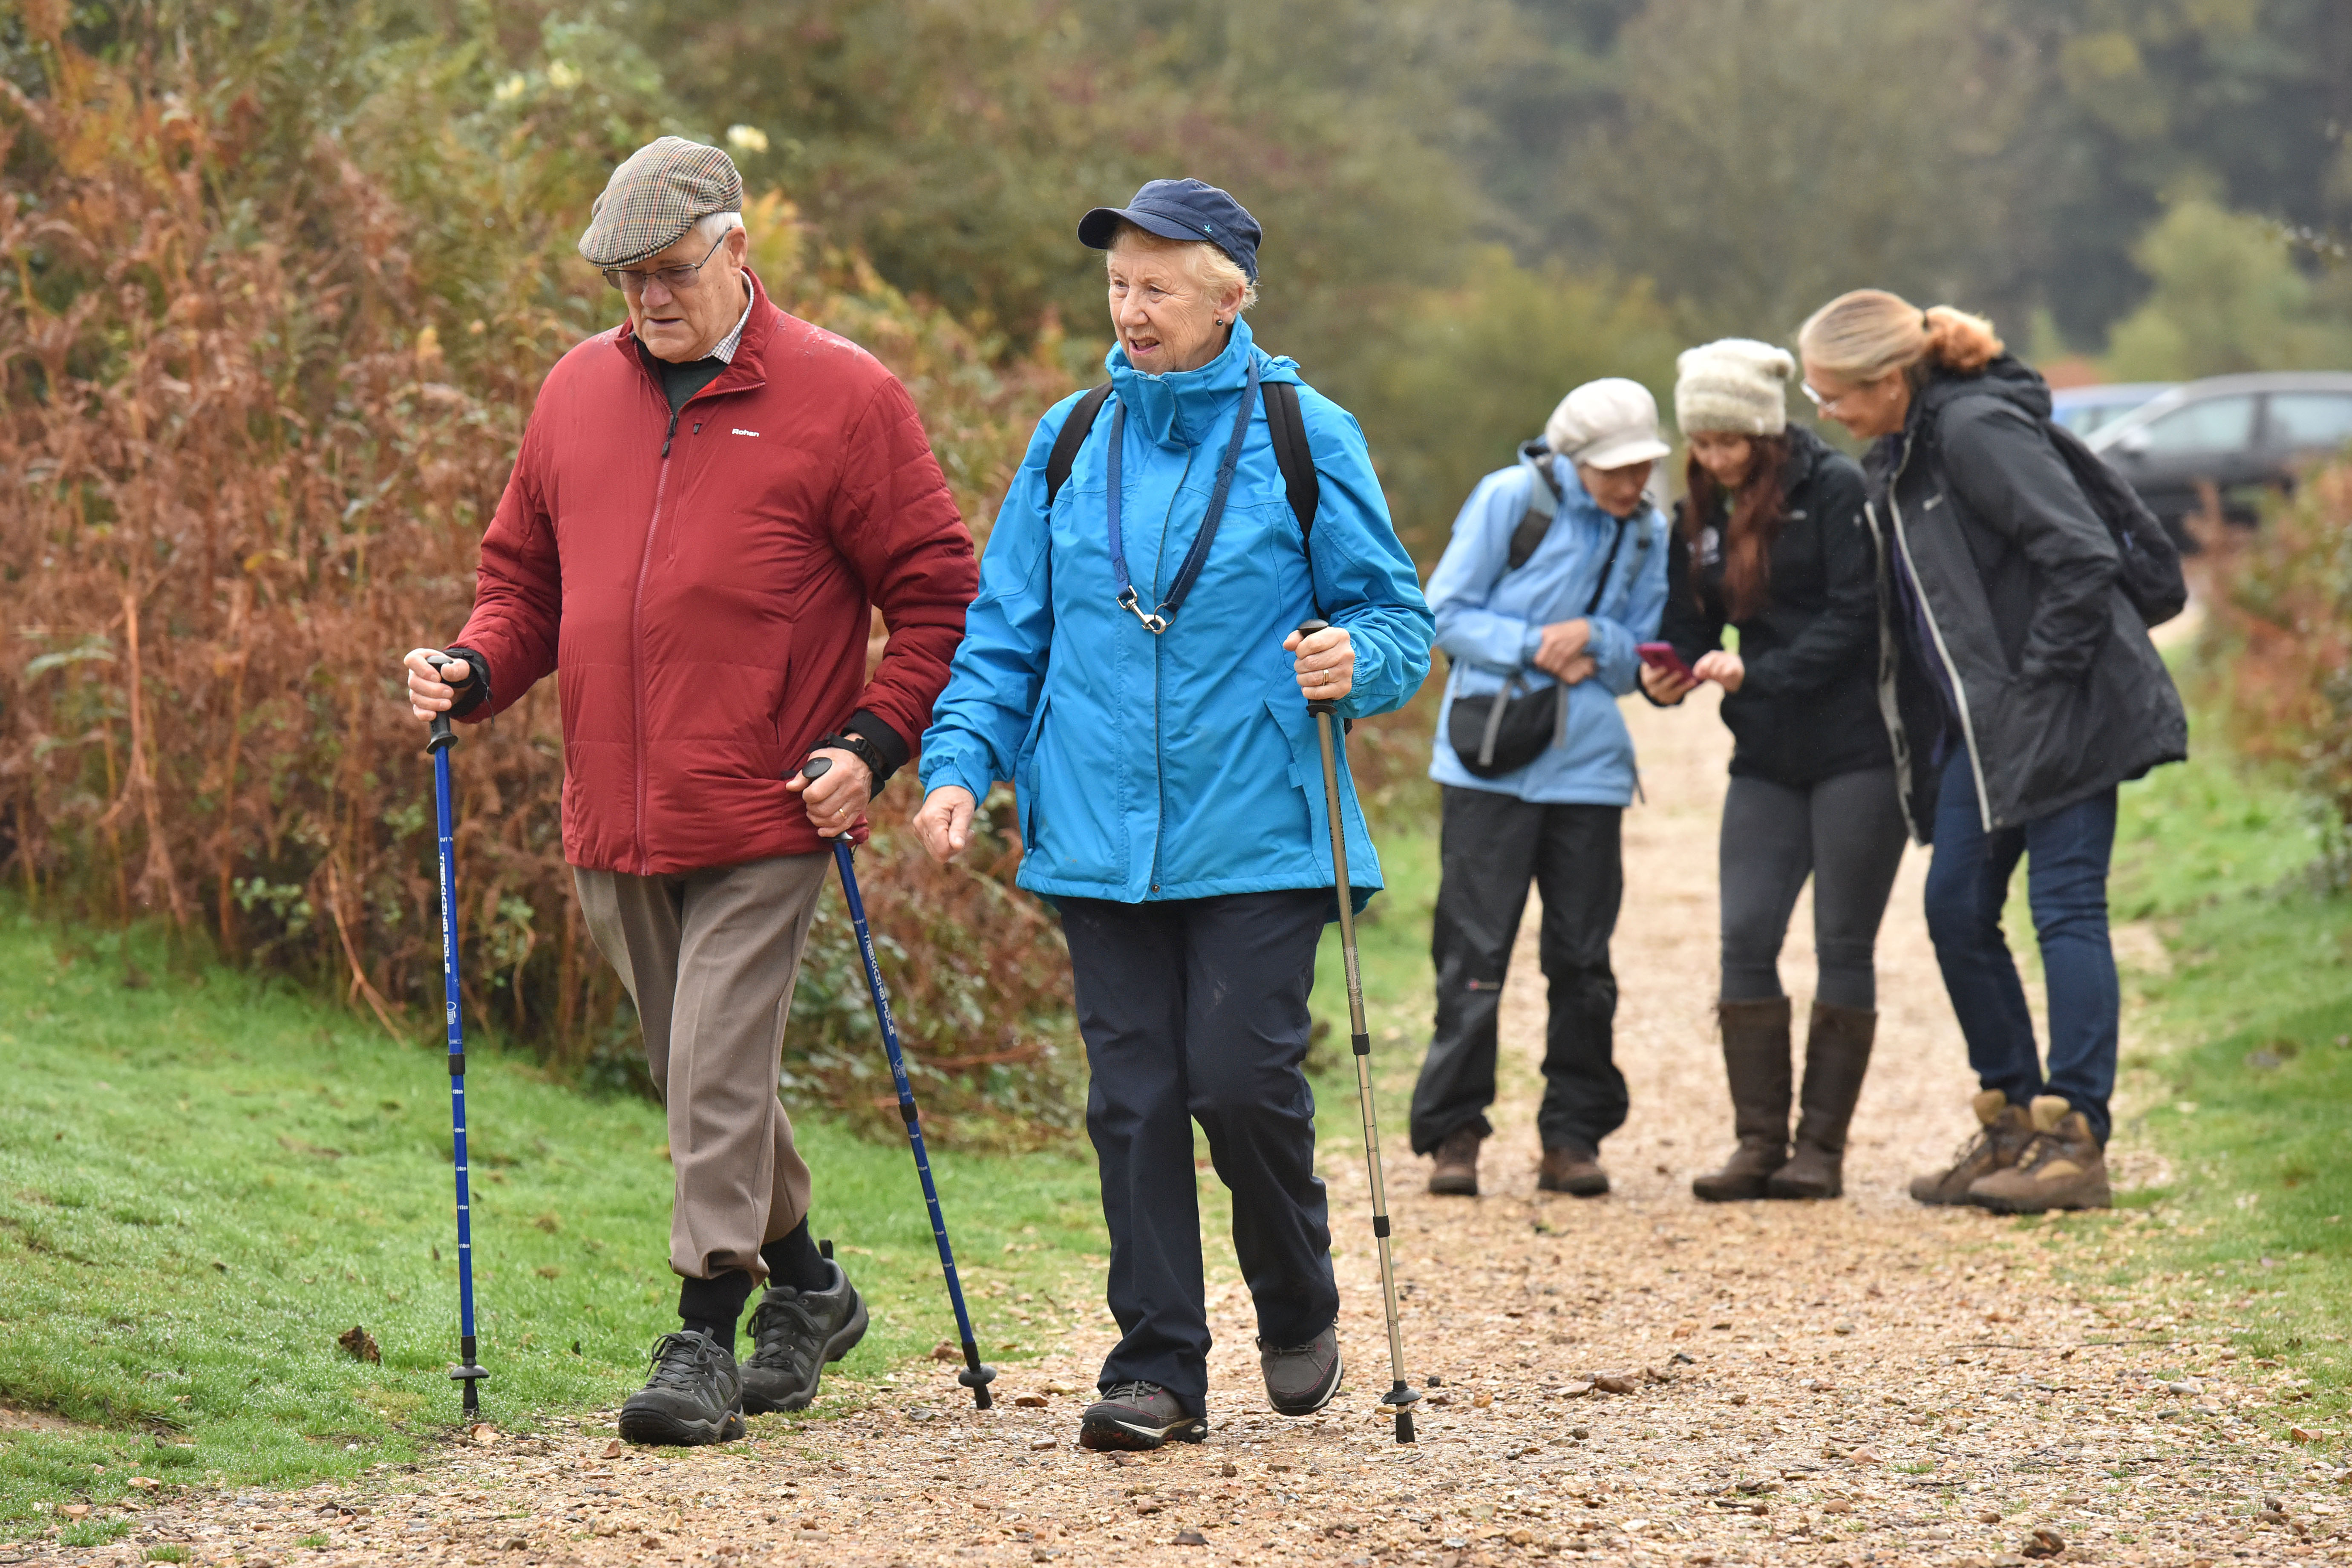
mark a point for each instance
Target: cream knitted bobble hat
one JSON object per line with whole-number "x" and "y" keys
{"x": 1735, "y": 384}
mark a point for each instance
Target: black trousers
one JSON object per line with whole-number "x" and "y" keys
{"x": 1846, "y": 833}
{"x": 1491, "y": 846}
{"x": 1195, "y": 1010}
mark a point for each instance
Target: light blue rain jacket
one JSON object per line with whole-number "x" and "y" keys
{"x": 1183, "y": 765}
{"x": 1490, "y": 621}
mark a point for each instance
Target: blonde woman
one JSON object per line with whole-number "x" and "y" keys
{"x": 2029, "y": 691}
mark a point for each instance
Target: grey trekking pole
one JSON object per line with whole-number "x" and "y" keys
{"x": 1401, "y": 1398}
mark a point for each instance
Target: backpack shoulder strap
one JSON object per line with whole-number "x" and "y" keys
{"x": 1288, "y": 426}
{"x": 1070, "y": 437}
{"x": 1543, "y": 504}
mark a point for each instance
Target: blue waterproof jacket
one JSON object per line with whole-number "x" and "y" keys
{"x": 1490, "y": 621}
{"x": 1183, "y": 765}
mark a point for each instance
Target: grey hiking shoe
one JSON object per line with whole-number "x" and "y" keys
{"x": 794, "y": 1334}
{"x": 1301, "y": 1379}
{"x": 694, "y": 1397}
{"x": 1137, "y": 1415}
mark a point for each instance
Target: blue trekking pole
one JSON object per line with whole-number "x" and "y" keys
{"x": 974, "y": 1375}
{"x": 466, "y": 1374}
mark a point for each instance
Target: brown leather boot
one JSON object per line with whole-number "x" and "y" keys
{"x": 1456, "y": 1172}
{"x": 1755, "y": 1060}
{"x": 2006, "y": 1131}
{"x": 1574, "y": 1169}
{"x": 2063, "y": 1168}
{"x": 1837, "y": 1054}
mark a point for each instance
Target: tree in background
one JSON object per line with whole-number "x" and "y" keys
{"x": 2228, "y": 296}
{"x": 1770, "y": 154}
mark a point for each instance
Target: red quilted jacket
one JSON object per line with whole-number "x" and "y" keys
{"x": 703, "y": 589}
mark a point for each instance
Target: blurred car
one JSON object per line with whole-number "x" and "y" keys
{"x": 2083, "y": 409}
{"x": 2235, "y": 437}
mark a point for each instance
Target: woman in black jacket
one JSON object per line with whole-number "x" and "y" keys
{"x": 1770, "y": 539}
{"x": 2027, "y": 690}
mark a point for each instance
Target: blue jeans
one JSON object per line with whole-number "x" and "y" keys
{"x": 2066, "y": 884}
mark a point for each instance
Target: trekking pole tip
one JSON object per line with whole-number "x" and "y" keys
{"x": 976, "y": 1376}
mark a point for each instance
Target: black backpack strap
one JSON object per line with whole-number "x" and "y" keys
{"x": 1070, "y": 437}
{"x": 1543, "y": 504}
{"x": 1288, "y": 427}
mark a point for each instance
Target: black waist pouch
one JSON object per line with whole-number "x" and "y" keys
{"x": 1503, "y": 733}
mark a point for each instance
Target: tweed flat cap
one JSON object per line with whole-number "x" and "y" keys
{"x": 659, "y": 192}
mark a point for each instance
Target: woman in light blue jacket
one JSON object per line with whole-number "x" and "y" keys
{"x": 1133, "y": 665}
{"x": 1556, "y": 574}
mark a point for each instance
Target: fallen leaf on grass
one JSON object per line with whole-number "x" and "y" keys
{"x": 145, "y": 1483}
{"x": 482, "y": 1432}
{"x": 944, "y": 1351}
{"x": 76, "y": 1510}
{"x": 612, "y": 1450}
{"x": 360, "y": 1345}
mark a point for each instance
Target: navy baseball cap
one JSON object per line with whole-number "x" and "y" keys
{"x": 1181, "y": 209}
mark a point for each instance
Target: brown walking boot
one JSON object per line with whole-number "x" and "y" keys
{"x": 1837, "y": 1054}
{"x": 1456, "y": 1172}
{"x": 1574, "y": 1169}
{"x": 1755, "y": 1060}
{"x": 2006, "y": 1131}
{"x": 2063, "y": 1168}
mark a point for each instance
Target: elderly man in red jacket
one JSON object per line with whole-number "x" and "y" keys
{"x": 709, "y": 500}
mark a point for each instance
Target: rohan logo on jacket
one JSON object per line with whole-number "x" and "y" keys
{"x": 739, "y": 430}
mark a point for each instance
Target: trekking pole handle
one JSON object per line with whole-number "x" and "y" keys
{"x": 1317, "y": 704}
{"x": 816, "y": 768}
{"x": 442, "y": 737}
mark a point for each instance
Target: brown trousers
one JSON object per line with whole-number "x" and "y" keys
{"x": 709, "y": 958}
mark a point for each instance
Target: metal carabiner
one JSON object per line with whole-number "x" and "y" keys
{"x": 1153, "y": 624}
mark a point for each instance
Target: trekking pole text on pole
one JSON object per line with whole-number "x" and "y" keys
{"x": 468, "y": 1371}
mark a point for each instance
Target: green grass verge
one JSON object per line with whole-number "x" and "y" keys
{"x": 205, "y": 1180}
{"x": 2240, "y": 1057}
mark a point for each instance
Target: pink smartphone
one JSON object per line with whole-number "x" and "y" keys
{"x": 1661, "y": 656}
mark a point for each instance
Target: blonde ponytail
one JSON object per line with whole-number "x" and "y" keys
{"x": 1870, "y": 333}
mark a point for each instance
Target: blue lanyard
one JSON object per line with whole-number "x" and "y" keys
{"x": 1156, "y": 621}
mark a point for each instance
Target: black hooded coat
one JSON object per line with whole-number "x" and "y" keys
{"x": 1998, "y": 585}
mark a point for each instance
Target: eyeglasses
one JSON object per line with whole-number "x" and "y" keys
{"x": 676, "y": 279}
{"x": 1828, "y": 403}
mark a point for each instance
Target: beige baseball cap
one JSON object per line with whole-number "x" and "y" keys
{"x": 1608, "y": 424}
{"x": 660, "y": 191}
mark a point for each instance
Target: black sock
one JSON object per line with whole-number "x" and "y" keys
{"x": 792, "y": 1259}
{"x": 713, "y": 1305}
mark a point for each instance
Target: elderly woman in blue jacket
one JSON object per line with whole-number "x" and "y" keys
{"x": 1133, "y": 666}
{"x": 1555, "y": 576}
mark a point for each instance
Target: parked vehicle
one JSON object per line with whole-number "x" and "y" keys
{"x": 2083, "y": 409}
{"x": 2232, "y": 437}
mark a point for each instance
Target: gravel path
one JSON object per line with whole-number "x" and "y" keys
{"x": 1857, "y": 1382}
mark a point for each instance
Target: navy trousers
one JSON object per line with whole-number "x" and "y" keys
{"x": 1195, "y": 1010}
{"x": 2066, "y": 856}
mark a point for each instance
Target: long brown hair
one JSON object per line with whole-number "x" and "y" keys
{"x": 1756, "y": 519}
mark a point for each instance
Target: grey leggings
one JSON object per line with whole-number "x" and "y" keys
{"x": 1847, "y": 834}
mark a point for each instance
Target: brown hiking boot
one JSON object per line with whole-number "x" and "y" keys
{"x": 2062, "y": 1168}
{"x": 1755, "y": 1060}
{"x": 1574, "y": 1169}
{"x": 1456, "y": 1172}
{"x": 1837, "y": 1053}
{"x": 2007, "y": 1129}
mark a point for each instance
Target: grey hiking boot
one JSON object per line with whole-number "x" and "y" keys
{"x": 1301, "y": 1379}
{"x": 2006, "y": 1131}
{"x": 694, "y": 1397}
{"x": 1137, "y": 1415}
{"x": 1455, "y": 1172}
{"x": 794, "y": 1334}
{"x": 2063, "y": 1168}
